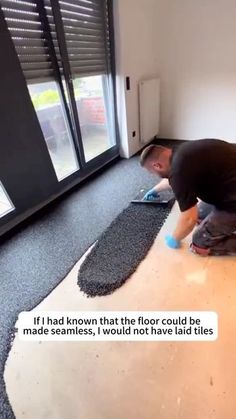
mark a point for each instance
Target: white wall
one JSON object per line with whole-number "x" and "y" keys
{"x": 197, "y": 66}
{"x": 191, "y": 45}
{"x": 135, "y": 39}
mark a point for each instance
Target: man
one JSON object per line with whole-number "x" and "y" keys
{"x": 205, "y": 170}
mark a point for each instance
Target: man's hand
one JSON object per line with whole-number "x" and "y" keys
{"x": 163, "y": 185}
{"x": 186, "y": 223}
{"x": 150, "y": 195}
{"x": 172, "y": 242}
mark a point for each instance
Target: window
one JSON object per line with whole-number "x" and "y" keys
{"x": 85, "y": 24}
{"x": 6, "y": 205}
{"x": 53, "y": 122}
{"x": 91, "y": 94}
{"x": 65, "y": 54}
{"x": 32, "y": 42}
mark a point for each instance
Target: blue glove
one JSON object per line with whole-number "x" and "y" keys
{"x": 172, "y": 242}
{"x": 150, "y": 195}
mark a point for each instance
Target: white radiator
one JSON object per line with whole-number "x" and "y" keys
{"x": 149, "y": 109}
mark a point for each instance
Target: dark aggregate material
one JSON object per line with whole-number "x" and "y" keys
{"x": 121, "y": 248}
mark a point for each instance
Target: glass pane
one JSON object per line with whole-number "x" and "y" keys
{"x": 6, "y": 205}
{"x": 91, "y": 94}
{"x": 52, "y": 118}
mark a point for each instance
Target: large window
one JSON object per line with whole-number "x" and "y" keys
{"x": 65, "y": 53}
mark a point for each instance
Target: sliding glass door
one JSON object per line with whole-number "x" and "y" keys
{"x": 84, "y": 38}
{"x": 65, "y": 51}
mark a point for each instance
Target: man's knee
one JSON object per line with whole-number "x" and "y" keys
{"x": 206, "y": 237}
{"x": 200, "y": 238}
{"x": 199, "y": 243}
{"x": 204, "y": 210}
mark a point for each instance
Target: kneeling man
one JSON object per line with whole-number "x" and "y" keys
{"x": 205, "y": 170}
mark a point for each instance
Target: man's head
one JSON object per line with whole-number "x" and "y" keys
{"x": 157, "y": 159}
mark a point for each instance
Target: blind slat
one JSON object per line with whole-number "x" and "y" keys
{"x": 76, "y": 51}
{"x": 81, "y": 23}
{"x": 36, "y": 66}
{"x": 22, "y": 24}
{"x": 39, "y": 75}
{"x": 84, "y": 38}
{"x": 20, "y": 14}
{"x": 90, "y": 17}
{"x": 82, "y": 30}
{"x": 88, "y": 4}
{"x": 34, "y": 58}
{"x": 88, "y": 71}
{"x": 18, "y": 5}
{"x": 27, "y": 33}
{"x": 87, "y": 63}
{"x": 90, "y": 10}
{"x": 29, "y": 50}
{"x": 83, "y": 3}
{"x": 29, "y": 42}
{"x": 77, "y": 43}
{"x": 81, "y": 57}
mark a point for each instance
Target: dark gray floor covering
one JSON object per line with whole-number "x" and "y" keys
{"x": 38, "y": 257}
{"x": 121, "y": 248}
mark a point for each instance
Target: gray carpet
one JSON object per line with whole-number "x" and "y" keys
{"x": 121, "y": 248}
{"x": 36, "y": 258}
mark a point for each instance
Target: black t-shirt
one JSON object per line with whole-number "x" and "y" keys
{"x": 204, "y": 169}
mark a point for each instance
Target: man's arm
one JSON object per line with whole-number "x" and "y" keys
{"x": 186, "y": 223}
{"x": 163, "y": 185}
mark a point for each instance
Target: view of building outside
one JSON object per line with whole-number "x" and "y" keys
{"x": 91, "y": 94}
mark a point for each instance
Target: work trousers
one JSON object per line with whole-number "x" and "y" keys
{"x": 216, "y": 233}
